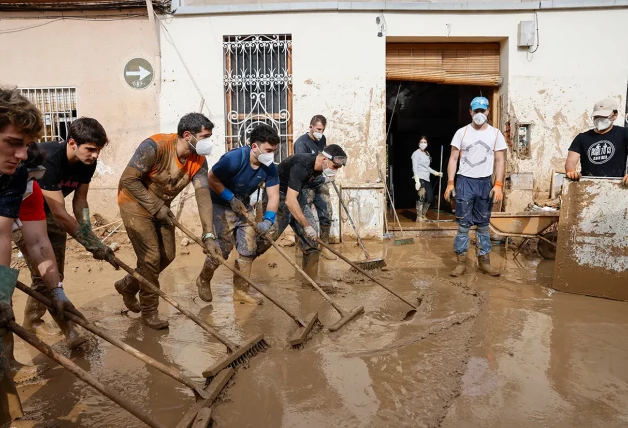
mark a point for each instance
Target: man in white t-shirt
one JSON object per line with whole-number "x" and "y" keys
{"x": 481, "y": 150}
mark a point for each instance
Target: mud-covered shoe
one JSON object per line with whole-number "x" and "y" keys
{"x": 328, "y": 254}
{"x": 154, "y": 321}
{"x": 41, "y": 329}
{"x": 129, "y": 299}
{"x": 241, "y": 293}
{"x": 461, "y": 267}
{"x": 23, "y": 373}
{"x": 484, "y": 264}
{"x": 204, "y": 289}
{"x": 242, "y": 296}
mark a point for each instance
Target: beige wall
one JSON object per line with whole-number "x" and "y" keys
{"x": 90, "y": 55}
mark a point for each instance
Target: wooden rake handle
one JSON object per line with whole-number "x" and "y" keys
{"x": 167, "y": 370}
{"x": 238, "y": 273}
{"x": 83, "y": 375}
{"x": 153, "y": 289}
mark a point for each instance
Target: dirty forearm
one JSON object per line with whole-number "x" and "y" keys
{"x": 572, "y": 161}
{"x": 500, "y": 165}
{"x": 204, "y": 202}
{"x": 40, "y": 252}
{"x": 5, "y": 240}
{"x": 295, "y": 209}
{"x": 78, "y": 205}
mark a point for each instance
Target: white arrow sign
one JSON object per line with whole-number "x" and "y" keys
{"x": 143, "y": 73}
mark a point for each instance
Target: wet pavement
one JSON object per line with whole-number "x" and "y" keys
{"x": 481, "y": 351}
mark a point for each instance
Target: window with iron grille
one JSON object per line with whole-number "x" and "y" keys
{"x": 258, "y": 88}
{"x": 58, "y": 106}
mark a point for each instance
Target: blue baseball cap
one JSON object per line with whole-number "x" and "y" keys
{"x": 479, "y": 103}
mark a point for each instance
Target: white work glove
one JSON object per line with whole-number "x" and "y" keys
{"x": 417, "y": 186}
{"x": 439, "y": 174}
{"x": 310, "y": 232}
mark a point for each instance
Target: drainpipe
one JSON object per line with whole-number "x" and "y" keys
{"x": 156, "y": 46}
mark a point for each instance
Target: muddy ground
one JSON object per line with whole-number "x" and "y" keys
{"x": 481, "y": 351}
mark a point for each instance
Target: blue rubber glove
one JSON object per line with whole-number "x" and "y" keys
{"x": 61, "y": 303}
{"x": 264, "y": 226}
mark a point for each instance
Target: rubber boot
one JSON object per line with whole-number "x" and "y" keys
{"x": 426, "y": 208}
{"x": 74, "y": 338}
{"x": 33, "y": 311}
{"x": 310, "y": 266}
{"x": 484, "y": 264}
{"x": 128, "y": 296}
{"x": 21, "y": 372}
{"x": 325, "y": 231}
{"x": 420, "y": 217}
{"x": 155, "y": 321}
{"x": 203, "y": 282}
{"x": 240, "y": 286}
{"x": 461, "y": 267}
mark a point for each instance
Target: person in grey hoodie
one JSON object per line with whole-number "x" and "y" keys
{"x": 421, "y": 169}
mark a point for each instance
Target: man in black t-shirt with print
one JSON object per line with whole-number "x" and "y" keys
{"x": 70, "y": 166}
{"x": 294, "y": 173}
{"x": 602, "y": 150}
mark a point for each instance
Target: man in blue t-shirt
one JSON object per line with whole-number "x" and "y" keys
{"x": 232, "y": 180}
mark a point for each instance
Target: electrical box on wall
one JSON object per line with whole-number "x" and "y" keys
{"x": 525, "y": 37}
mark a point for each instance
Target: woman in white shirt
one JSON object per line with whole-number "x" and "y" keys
{"x": 421, "y": 160}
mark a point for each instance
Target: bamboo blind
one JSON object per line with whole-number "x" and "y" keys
{"x": 445, "y": 63}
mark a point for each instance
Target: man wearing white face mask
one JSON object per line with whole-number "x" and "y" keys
{"x": 294, "y": 173}
{"x": 481, "y": 150}
{"x": 602, "y": 150}
{"x": 162, "y": 166}
{"x": 317, "y": 192}
{"x": 232, "y": 180}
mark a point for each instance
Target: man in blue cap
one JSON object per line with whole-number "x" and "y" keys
{"x": 482, "y": 153}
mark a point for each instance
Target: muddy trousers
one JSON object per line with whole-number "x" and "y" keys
{"x": 154, "y": 245}
{"x": 10, "y": 406}
{"x": 318, "y": 196}
{"x": 230, "y": 230}
{"x": 473, "y": 207}
{"x": 285, "y": 219}
{"x": 58, "y": 239}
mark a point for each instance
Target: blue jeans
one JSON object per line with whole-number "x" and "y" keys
{"x": 473, "y": 208}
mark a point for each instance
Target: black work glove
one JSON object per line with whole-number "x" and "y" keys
{"x": 6, "y": 314}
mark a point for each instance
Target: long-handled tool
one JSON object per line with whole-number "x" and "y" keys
{"x": 400, "y": 241}
{"x": 370, "y": 263}
{"x": 345, "y": 317}
{"x": 167, "y": 370}
{"x": 238, "y": 354}
{"x": 408, "y": 315}
{"x": 83, "y": 375}
{"x": 300, "y": 336}
{"x": 440, "y": 180}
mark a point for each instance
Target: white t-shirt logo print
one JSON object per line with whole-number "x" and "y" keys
{"x": 476, "y": 153}
{"x": 601, "y": 152}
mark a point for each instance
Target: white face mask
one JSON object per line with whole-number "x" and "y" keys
{"x": 423, "y": 146}
{"x": 265, "y": 158}
{"x": 203, "y": 147}
{"x": 479, "y": 119}
{"x": 328, "y": 172}
{"x": 317, "y": 135}
{"x": 602, "y": 123}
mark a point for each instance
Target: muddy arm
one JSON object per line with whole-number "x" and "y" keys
{"x": 40, "y": 251}
{"x": 203, "y": 199}
{"x": 141, "y": 164}
{"x": 6, "y": 225}
{"x": 295, "y": 209}
{"x": 79, "y": 202}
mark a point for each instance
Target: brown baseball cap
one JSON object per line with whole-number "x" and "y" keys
{"x": 604, "y": 108}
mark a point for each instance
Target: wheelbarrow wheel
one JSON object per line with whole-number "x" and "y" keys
{"x": 547, "y": 250}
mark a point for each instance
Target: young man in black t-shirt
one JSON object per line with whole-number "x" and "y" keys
{"x": 294, "y": 173}
{"x": 70, "y": 166}
{"x": 317, "y": 192}
{"x": 602, "y": 150}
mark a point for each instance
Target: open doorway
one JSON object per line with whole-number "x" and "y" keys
{"x": 437, "y": 111}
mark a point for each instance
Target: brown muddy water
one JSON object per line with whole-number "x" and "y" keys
{"x": 481, "y": 351}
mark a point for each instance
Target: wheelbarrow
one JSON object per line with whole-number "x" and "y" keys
{"x": 529, "y": 225}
